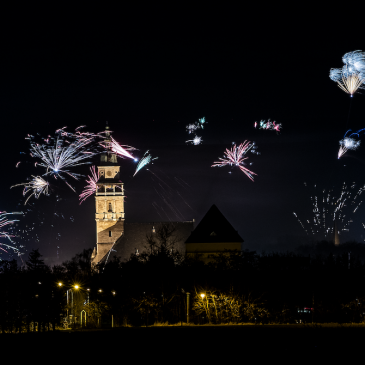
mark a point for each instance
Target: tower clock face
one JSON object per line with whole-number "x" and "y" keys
{"x": 109, "y": 173}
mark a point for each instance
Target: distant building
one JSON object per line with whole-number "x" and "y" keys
{"x": 213, "y": 235}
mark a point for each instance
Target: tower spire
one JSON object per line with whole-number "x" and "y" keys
{"x": 108, "y": 156}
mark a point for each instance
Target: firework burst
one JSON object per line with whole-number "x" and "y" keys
{"x": 355, "y": 60}
{"x": 3, "y": 234}
{"x": 269, "y": 125}
{"x": 36, "y": 187}
{"x": 328, "y": 208}
{"x": 58, "y": 159}
{"x": 234, "y": 157}
{"x": 349, "y": 142}
{"x": 196, "y": 141}
{"x": 351, "y": 76}
{"x": 196, "y": 125}
{"x": 145, "y": 160}
{"x": 91, "y": 186}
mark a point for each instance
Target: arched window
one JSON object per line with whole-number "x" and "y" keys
{"x": 110, "y": 208}
{"x": 110, "y": 233}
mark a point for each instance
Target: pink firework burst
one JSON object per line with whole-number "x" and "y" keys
{"x": 234, "y": 157}
{"x": 91, "y": 187}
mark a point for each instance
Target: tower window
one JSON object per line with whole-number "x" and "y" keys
{"x": 110, "y": 233}
{"x": 110, "y": 207}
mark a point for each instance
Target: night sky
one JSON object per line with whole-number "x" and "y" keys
{"x": 149, "y": 75}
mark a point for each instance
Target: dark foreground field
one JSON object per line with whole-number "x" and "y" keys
{"x": 186, "y": 343}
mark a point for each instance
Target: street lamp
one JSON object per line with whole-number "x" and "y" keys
{"x": 206, "y": 310}
{"x": 72, "y": 301}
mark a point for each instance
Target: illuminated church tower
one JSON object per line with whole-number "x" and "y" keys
{"x": 109, "y": 203}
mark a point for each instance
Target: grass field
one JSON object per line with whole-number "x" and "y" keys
{"x": 191, "y": 342}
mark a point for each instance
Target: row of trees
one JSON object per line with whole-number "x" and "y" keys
{"x": 154, "y": 285}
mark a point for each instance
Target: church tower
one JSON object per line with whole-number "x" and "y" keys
{"x": 109, "y": 202}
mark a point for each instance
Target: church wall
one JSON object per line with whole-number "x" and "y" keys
{"x": 134, "y": 238}
{"x": 102, "y": 204}
{"x": 104, "y": 227}
{"x": 102, "y": 250}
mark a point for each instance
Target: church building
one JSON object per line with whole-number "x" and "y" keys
{"x": 116, "y": 237}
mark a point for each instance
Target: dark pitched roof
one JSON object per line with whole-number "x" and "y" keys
{"x": 134, "y": 237}
{"x": 214, "y": 227}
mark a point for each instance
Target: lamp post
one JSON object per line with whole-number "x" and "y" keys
{"x": 72, "y": 300}
{"x": 187, "y": 306}
{"x": 206, "y": 310}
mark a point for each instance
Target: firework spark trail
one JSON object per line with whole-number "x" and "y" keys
{"x": 333, "y": 209}
{"x": 300, "y": 222}
{"x": 349, "y": 142}
{"x": 168, "y": 217}
{"x": 120, "y": 150}
{"x": 160, "y": 179}
{"x": 37, "y": 186}
{"x": 188, "y": 186}
{"x": 91, "y": 186}
{"x": 184, "y": 200}
{"x": 176, "y": 212}
{"x": 196, "y": 141}
{"x": 234, "y": 157}
{"x": 145, "y": 160}
{"x": 351, "y": 83}
{"x": 166, "y": 194}
{"x": 155, "y": 205}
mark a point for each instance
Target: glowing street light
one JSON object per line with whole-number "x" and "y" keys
{"x": 202, "y": 295}
{"x": 59, "y": 284}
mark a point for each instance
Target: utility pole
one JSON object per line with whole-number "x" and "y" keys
{"x": 187, "y": 307}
